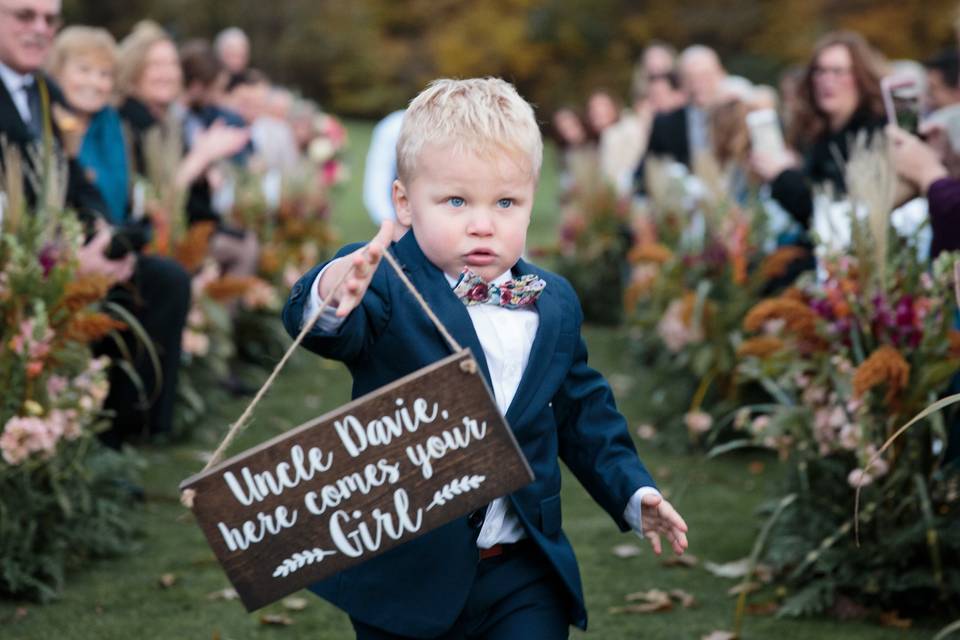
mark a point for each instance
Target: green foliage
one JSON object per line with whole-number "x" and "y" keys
{"x": 58, "y": 514}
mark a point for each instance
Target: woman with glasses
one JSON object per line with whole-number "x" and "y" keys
{"x": 839, "y": 97}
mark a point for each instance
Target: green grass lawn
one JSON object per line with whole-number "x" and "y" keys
{"x": 123, "y": 598}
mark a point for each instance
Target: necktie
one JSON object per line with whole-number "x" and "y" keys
{"x": 36, "y": 113}
{"x": 512, "y": 294}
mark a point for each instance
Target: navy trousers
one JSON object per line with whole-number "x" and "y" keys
{"x": 515, "y": 595}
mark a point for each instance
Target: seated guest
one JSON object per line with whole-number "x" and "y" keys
{"x": 839, "y": 97}
{"x": 204, "y": 83}
{"x": 943, "y": 80}
{"x": 156, "y": 291}
{"x": 233, "y": 50}
{"x": 150, "y": 81}
{"x": 684, "y": 132}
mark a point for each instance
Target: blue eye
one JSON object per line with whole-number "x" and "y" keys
{"x": 505, "y": 203}
{"x": 456, "y": 202}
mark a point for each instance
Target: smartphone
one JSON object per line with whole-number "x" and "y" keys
{"x": 902, "y": 99}
{"x": 765, "y": 134}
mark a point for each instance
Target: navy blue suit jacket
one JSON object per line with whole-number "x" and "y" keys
{"x": 563, "y": 409}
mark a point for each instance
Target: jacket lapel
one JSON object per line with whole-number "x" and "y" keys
{"x": 544, "y": 344}
{"x": 10, "y": 121}
{"x": 436, "y": 291}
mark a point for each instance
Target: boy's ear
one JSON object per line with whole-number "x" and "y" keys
{"x": 401, "y": 203}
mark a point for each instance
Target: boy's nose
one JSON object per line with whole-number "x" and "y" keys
{"x": 481, "y": 224}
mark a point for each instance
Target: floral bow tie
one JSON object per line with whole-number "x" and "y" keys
{"x": 512, "y": 294}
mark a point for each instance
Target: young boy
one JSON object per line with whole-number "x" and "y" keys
{"x": 468, "y": 159}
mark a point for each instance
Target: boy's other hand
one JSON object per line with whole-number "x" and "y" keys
{"x": 659, "y": 517}
{"x": 359, "y": 267}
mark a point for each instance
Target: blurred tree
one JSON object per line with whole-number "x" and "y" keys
{"x": 367, "y": 57}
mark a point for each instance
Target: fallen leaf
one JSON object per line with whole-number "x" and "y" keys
{"x": 720, "y": 635}
{"x": 626, "y": 550}
{"x": 893, "y": 619}
{"x": 762, "y": 608}
{"x": 98, "y": 610}
{"x": 664, "y": 473}
{"x": 167, "y": 580}
{"x": 20, "y": 613}
{"x": 228, "y": 593}
{"x": 744, "y": 587}
{"x": 756, "y": 468}
{"x": 277, "y": 619}
{"x": 739, "y": 569}
{"x": 684, "y": 598}
{"x": 294, "y": 603}
{"x": 735, "y": 569}
{"x": 646, "y": 432}
{"x": 686, "y": 560}
{"x": 648, "y": 602}
{"x": 845, "y": 608}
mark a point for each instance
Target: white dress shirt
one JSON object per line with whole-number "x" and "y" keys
{"x": 506, "y": 337}
{"x": 17, "y": 84}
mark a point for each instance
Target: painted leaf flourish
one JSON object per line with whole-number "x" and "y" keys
{"x": 299, "y": 560}
{"x": 454, "y": 488}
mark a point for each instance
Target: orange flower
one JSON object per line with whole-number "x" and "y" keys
{"x": 90, "y": 327}
{"x": 193, "y": 248}
{"x": 799, "y": 319}
{"x": 690, "y": 305}
{"x": 884, "y": 366}
{"x": 269, "y": 260}
{"x": 84, "y": 291}
{"x": 760, "y": 347}
{"x": 776, "y": 264}
{"x": 649, "y": 252}
{"x": 954, "y": 338}
{"x": 229, "y": 287}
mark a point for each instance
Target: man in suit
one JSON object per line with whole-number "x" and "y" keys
{"x": 469, "y": 155}
{"x": 160, "y": 295}
{"x": 684, "y": 132}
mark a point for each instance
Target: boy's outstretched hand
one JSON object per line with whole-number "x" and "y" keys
{"x": 361, "y": 265}
{"x": 659, "y": 517}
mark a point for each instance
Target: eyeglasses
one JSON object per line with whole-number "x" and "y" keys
{"x": 27, "y": 17}
{"x": 833, "y": 72}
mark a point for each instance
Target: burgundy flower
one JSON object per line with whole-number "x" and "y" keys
{"x": 478, "y": 293}
{"x": 505, "y": 296}
{"x": 49, "y": 256}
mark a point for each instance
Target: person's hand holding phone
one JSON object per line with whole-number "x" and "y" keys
{"x": 914, "y": 160}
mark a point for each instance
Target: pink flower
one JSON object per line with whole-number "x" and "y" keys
{"x": 698, "y": 422}
{"x": 195, "y": 343}
{"x": 859, "y": 478}
{"x": 23, "y": 436}
{"x": 56, "y": 385}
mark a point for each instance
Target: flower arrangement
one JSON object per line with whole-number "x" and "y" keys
{"x": 592, "y": 245}
{"x": 696, "y": 267}
{"x": 62, "y": 491}
{"x": 848, "y": 358}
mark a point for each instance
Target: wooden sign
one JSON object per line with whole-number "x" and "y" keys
{"x": 349, "y": 485}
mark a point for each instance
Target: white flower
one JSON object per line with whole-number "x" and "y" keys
{"x": 698, "y": 421}
{"x": 859, "y": 478}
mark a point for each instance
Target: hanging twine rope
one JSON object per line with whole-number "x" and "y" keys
{"x": 469, "y": 366}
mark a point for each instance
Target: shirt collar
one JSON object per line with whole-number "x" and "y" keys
{"x": 13, "y": 80}
{"x": 503, "y": 277}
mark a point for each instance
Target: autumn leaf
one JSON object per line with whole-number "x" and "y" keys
{"x": 893, "y": 619}
{"x": 755, "y": 468}
{"x": 720, "y": 635}
{"x": 744, "y": 587}
{"x": 228, "y": 593}
{"x": 276, "y": 619}
{"x": 763, "y": 608}
{"x": 626, "y": 550}
{"x": 167, "y": 580}
{"x": 650, "y": 601}
{"x": 684, "y": 598}
{"x": 295, "y": 603}
{"x": 687, "y": 560}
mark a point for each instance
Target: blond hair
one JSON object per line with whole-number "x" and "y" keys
{"x": 82, "y": 42}
{"x": 479, "y": 115}
{"x": 132, "y": 55}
